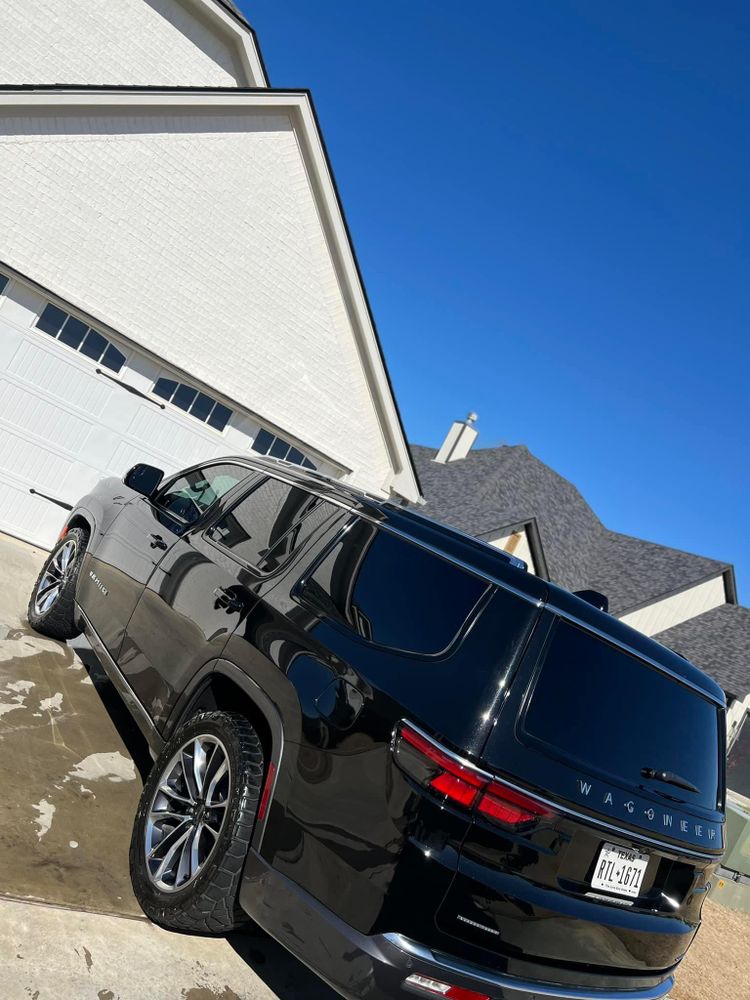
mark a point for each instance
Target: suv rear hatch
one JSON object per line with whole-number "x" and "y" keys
{"x": 605, "y": 867}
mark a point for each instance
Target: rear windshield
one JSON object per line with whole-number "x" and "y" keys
{"x": 614, "y": 714}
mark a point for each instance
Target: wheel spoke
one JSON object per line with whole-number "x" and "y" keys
{"x": 159, "y": 815}
{"x": 66, "y": 554}
{"x": 188, "y": 773}
{"x": 47, "y": 600}
{"x": 199, "y": 765}
{"x": 195, "y": 845}
{"x": 173, "y": 844}
{"x": 219, "y": 774}
{"x": 164, "y": 787}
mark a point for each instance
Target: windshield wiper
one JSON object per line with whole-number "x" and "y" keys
{"x": 670, "y": 779}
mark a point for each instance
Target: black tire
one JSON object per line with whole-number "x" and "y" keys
{"x": 59, "y": 620}
{"x": 208, "y": 902}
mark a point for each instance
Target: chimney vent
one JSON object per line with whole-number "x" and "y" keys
{"x": 458, "y": 440}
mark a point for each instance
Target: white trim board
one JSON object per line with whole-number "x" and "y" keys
{"x": 678, "y": 608}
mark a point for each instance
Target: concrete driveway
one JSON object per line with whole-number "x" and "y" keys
{"x": 71, "y": 769}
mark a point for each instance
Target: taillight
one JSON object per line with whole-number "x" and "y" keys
{"x": 434, "y": 988}
{"x": 460, "y": 782}
{"x": 505, "y": 805}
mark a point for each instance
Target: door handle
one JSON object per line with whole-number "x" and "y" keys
{"x": 157, "y": 542}
{"x": 226, "y": 599}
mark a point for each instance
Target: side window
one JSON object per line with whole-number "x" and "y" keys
{"x": 391, "y": 592}
{"x": 265, "y": 527}
{"x": 188, "y": 497}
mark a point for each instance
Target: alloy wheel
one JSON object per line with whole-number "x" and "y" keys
{"x": 55, "y": 576}
{"x": 187, "y": 812}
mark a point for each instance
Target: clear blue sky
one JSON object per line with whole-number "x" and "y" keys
{"x": 551, "y": 203}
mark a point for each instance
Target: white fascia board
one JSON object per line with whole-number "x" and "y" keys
{"x": 244, "y": 38}
{"x": 298, "y": 106}
{"x": 677, "y": 608}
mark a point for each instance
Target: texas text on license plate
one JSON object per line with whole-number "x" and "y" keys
{"x": 619, "y": 870}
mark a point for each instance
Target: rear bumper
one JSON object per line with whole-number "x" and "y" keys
{"x": 362, "y": 967}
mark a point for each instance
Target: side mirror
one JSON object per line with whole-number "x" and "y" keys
{"x": 144, "y": 479}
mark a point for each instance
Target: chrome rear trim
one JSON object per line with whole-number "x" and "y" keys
{"x": 453, "y": 967}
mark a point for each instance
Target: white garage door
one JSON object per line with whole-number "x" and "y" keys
{"x": 66, "y": 420}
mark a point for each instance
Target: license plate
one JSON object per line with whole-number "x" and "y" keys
{"x": 619, "y": 870}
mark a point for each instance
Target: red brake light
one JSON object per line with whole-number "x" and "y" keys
{"x": 461, "y": 782}
{"x": 62, "y": 534}
{"x": 455, "y": 779}
{"x": 506, "y": 805}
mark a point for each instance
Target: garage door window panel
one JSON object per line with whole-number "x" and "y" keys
{"x": 198, "y": 404}
{"x": 3, "y": 283}
{"x": 80, "y": 337}
{"x": 266, "y": 443}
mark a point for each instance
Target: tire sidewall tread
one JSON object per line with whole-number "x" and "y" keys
{"x": 208, "y": 905}
{"x": 61, "y": 620}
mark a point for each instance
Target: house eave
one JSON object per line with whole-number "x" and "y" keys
{"x": 298, "y": 104}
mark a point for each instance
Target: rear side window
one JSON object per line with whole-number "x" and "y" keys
{"x": 391, "y": 592}
{"x": 606, "y": 709}
{"x": 267, "y": 526}
{"x": 188, "y": 497}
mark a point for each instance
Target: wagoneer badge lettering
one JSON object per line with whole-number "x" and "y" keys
{"x": 708, "y": 834}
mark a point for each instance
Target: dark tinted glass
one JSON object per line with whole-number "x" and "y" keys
{"x": 73, "y": 333}
{"x": 188, "y": 497}
{"x": 219, "y": 417}
{"x": 392, "y": 592}
{"x": 279, "y": 449}
{"x": 270, "y": 523}
{"x": 113, "y": 359}
{"x": 296, "y": 456}
{"x": 93, "y": 346}
{"x": 263, "y": 441}
{"x": 184, "y": 397}
{"x": 51, "y": 320}
{"x": 598, "y": 705}
{"x": 3, "y": 283}
{"x": 164, "y": 388}
{"x": 308, "y": 464}
{"x": 202, "y": 406}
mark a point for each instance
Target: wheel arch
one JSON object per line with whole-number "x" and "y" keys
{"x": 220, "y": 685}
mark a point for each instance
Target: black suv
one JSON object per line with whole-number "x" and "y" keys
{"x": 419, "y": 767}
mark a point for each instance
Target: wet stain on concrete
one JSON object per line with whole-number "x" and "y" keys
{"x": 86, "y": 956}
{"x": 65, "y": 770}
{"x": 106, "y": 995}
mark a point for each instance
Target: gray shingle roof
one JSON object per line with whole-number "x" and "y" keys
{"x": 718, "y": 641}
{"x": 493, "y": 488}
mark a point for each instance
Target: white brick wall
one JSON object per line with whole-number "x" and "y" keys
{"x": 196, "y": 235}
{"x": 167, "y": 42}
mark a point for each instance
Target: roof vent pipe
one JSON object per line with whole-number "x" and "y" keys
{"x": 458, "y": 440}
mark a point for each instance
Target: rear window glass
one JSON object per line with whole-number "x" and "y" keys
{"x": 609, "y": 711}
{"x": 391, "y": 592}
